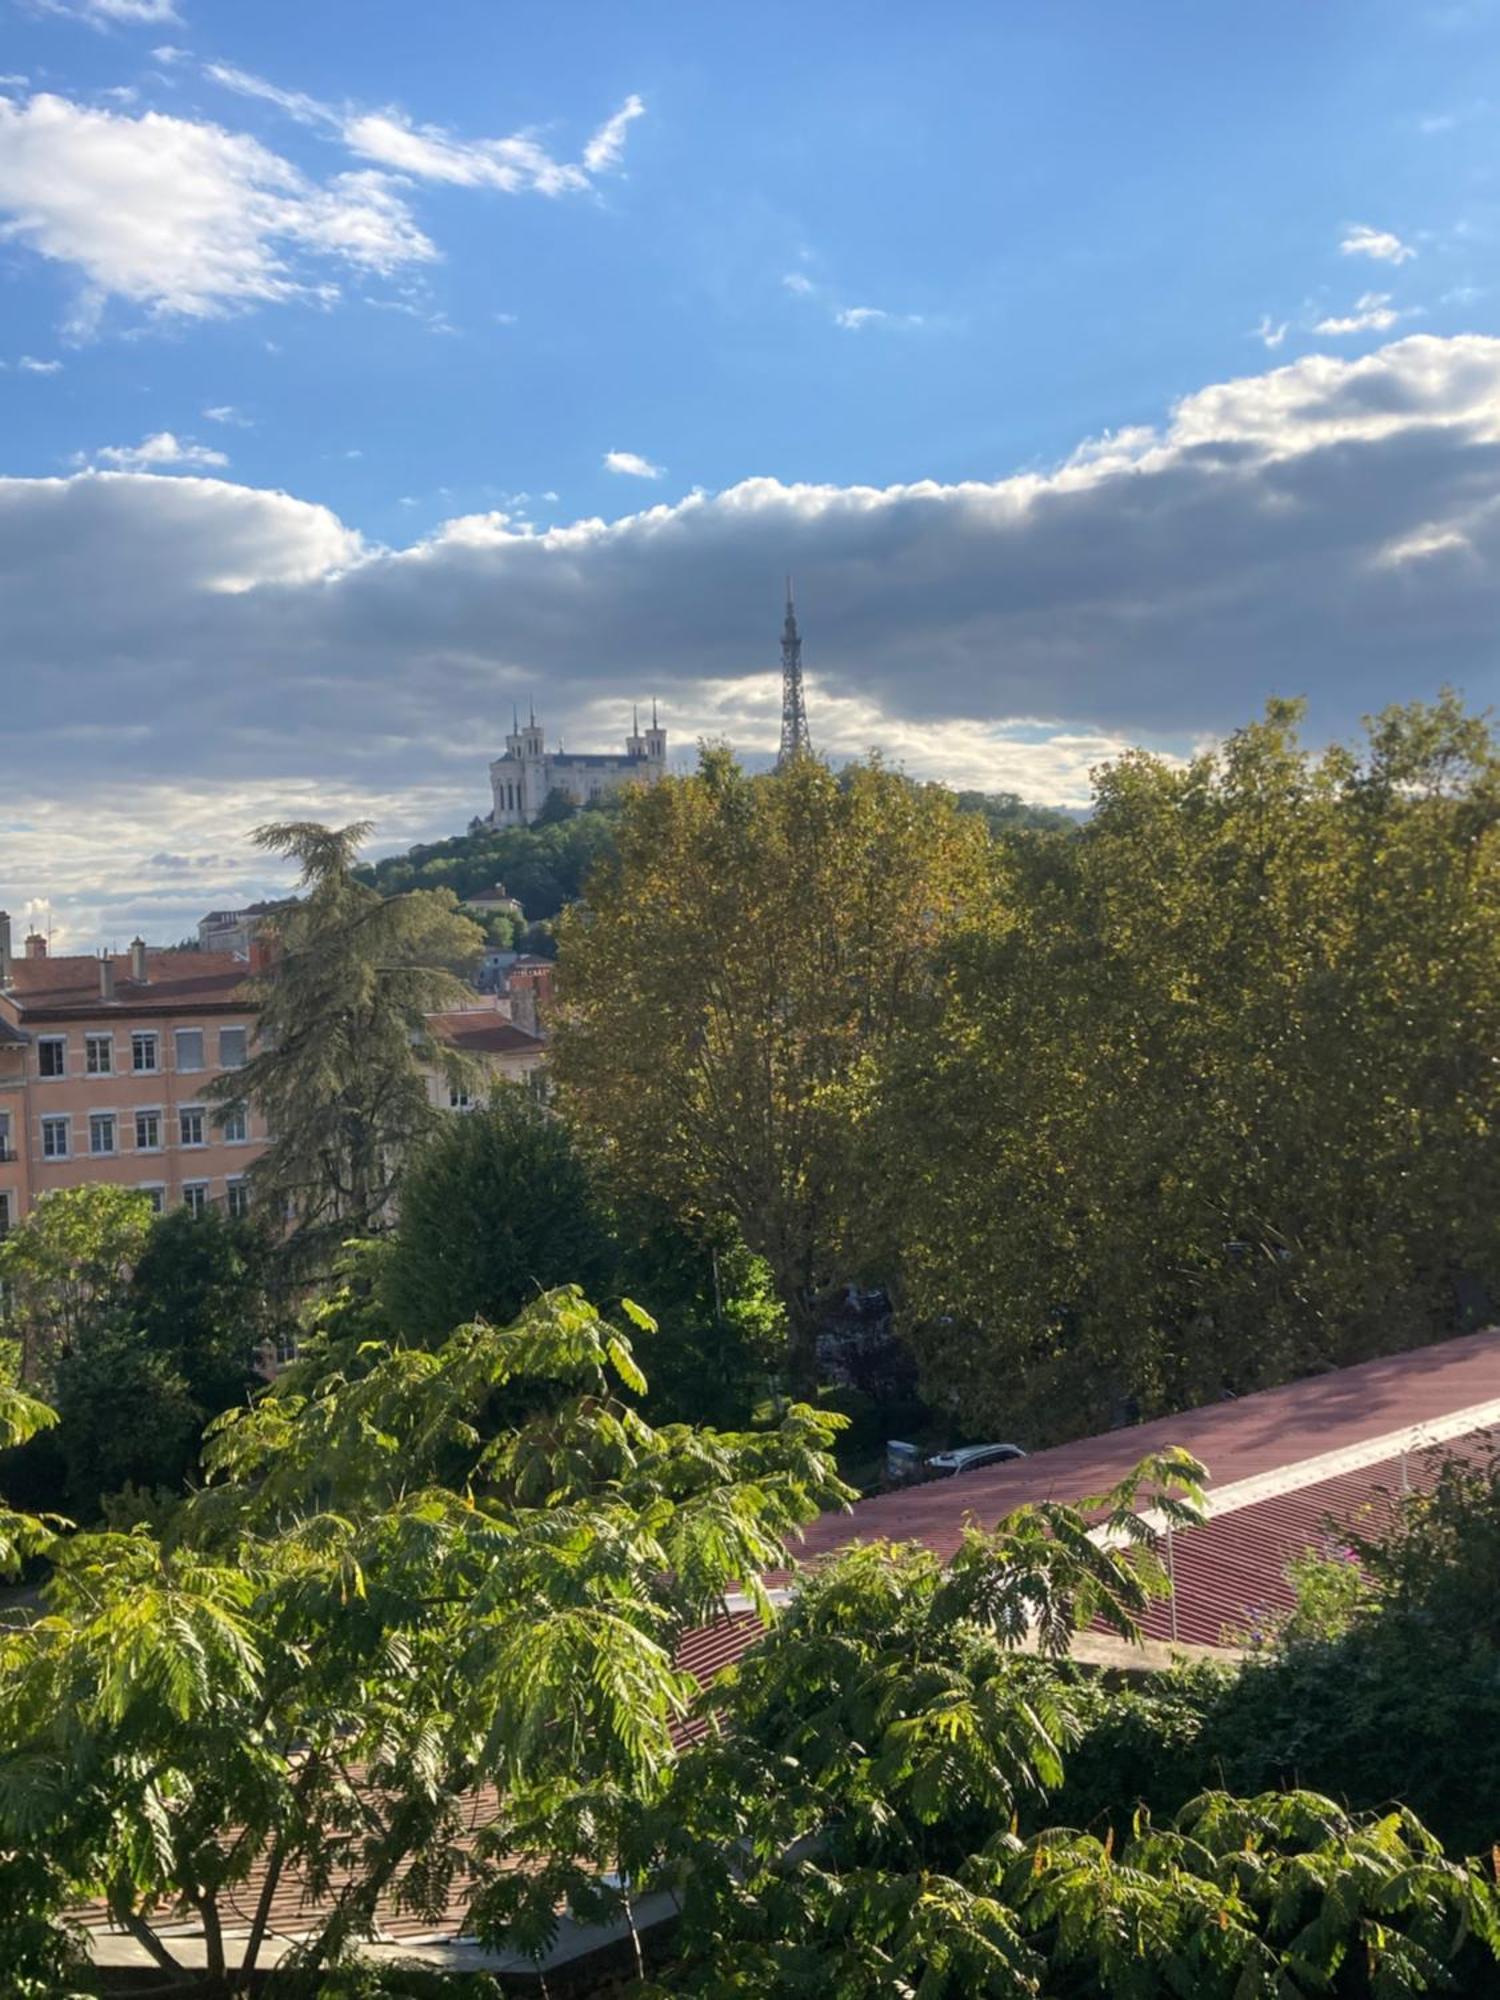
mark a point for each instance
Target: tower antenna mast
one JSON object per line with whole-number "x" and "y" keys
{"x": 795, "y": 741}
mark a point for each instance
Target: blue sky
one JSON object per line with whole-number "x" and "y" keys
{"x": 368, "y": 366}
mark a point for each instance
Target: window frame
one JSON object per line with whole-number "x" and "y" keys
{"x": 141, "y": 1039}
{"x": 112, "y": 1120}
{"x": 244, "y": 1035}
{"x": 189, "y": 1069}
{"x": 235, "y": 1130}
{"x": 156, "y": 1193}
{"x": 196, "y": 1198}
{"x": 48, "y": 1045}
{"x": 184, "y": 1113}
{"x": 51, "y": 1120}
{"x": 237, "y": 1197}
{"x": 148, "y": 1111}
{"x": 95, "y": 1040}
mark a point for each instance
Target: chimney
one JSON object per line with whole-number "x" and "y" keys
{"x": 106, "y": 976}
{"x": 36, "y": 945}
{"x": 263, "y": 952}
{"x": 4, "y": 947}
{"x": 138, "y": 960}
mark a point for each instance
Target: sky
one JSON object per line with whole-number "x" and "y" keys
{"x": 1096, "y": 371}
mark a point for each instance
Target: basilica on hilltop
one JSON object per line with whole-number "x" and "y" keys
{"x": 525, "y": 777}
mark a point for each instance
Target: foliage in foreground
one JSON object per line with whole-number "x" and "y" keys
{"x": 1398, "y": 1699}
{"x": 381, "y": 1602}
{"x": 872, "y": 1816}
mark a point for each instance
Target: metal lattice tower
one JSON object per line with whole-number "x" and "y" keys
{"x": 795, "y": 741}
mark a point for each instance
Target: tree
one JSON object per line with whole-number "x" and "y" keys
{"x": 64, "y": 1265}
{"x": 872, "y": 1813}
{"x": 172, "y": 1348}
{"x": 378, "y": 1603}
{"x": 343, "y": 1047}
{"x": 1209, "y": 1100}
{"x": 501, "y": 1204}
{"x": 727, "y": 990}
{"x": 497, "y": 1206}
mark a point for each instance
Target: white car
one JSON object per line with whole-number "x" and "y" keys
{"x": 965, "y": 1458}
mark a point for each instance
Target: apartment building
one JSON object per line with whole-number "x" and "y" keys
{"x": 105, "y": 1065}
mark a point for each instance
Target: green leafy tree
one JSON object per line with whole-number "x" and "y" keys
{"x": 496, "y": 1207}
{"x": 855, "y": 1823}
{"x": 64, "y": 1266}
{"x": 731, "y": 983}
{"x": 1209, "y": 1100}
{"x": 379, "y": 1602}
{"x": 339, "y": 1070}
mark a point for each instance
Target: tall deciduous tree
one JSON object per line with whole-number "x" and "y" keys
{"x": 343, "y": 1045}
{"x": 733, "y": 979}
{"x": 1217, "y": 1103}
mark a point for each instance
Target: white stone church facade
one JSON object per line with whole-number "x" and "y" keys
{"x": 522, "y": 780}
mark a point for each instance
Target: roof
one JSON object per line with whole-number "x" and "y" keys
{"x": 8, "y": 1034}
{"x": 176, "y": 982}
{"x": 1252, "y": 1443}
{"x": 477, "y": 1032}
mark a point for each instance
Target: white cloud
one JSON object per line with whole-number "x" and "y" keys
{"x": 390, "y": 137}
{"x": 855, "y": 318}
{"x": 1330, "y": 526}
{"x": 129, "y": 13}
{"x": 1271, "y": 333}
{"x": 798, "y": 282}
{"x": 1381, "y": 244}
{"x": 29, "y": 365}
{"x": 226, "y": 413}
{"x": 1373, "y": 313}
{"x": 632, "y": 464}
{"x": 158, "y": 450}
{"x": 606, "y": 148}
{"x": 186, "y": 218}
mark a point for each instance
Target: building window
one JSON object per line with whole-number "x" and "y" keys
{"x": 190, "y": 1048}
{"x": 232, "y": 1048}
{"x": 52, "y": 1055}
{"x": 144, "y": 1058}
{"x": 101, "y": 1132}
{"x": 190, "y": 1126}
{"x": 195, "y": 1197}
{"x": 54, "y": 1138}
{"x": 100, "y": 1054}
{"x": 237, "y": 1198}
{"x": 236, "y": 1126}
{"x": 156, "y": 1195}
{"x": 4, "y": 1216}
{"x": 148, "y": 1131}
{"x": 5, "y": 1146}
{"x": 458, "y": 1097}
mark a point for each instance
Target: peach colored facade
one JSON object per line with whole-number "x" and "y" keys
{"x": 105, "y": 1065}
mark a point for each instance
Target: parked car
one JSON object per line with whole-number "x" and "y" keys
{"x": 967, "y": 1457}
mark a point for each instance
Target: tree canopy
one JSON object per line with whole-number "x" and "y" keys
{"x": 1207, "y": 1097}
{"x": 726, "y": 991}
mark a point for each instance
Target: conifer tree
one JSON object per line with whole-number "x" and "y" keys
{"x": 344, "y": 1042}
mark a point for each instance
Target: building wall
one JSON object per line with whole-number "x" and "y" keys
{"x": 179, "y": 1162}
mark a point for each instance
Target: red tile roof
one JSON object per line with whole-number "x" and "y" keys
{"x": 1244, "y": 1439}
{"x": 176, "y": 982}
{"x": 482, "y": 1033}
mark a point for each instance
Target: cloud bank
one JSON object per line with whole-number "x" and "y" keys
{"x": 1329, "y": 527}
